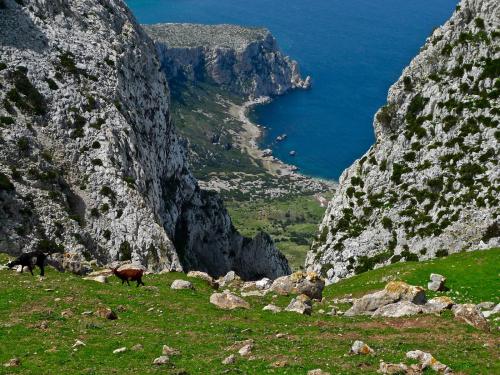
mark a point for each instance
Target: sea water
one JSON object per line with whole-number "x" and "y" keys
{"x": 354, "y": 50}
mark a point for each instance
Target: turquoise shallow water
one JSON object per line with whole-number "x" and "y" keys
{"x": 354, "y": 50}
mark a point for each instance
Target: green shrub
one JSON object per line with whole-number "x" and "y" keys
{"x": 383, "y": 165}
{"x": 386, "y": 113}
{"x": 94, "y": 212}
{"x": 23, "y": 144}
{"x": 493, "y": 231}
{"x": 408, "y": 85}
{"x": 410, "y": 156}
{"x": 5, "y": 184}
{"x": 106, "y": 234}
{"x": 441, "y": 253}
{"x": 6, "y": 120}
{"x": 387, "y": 223}
{"x": 97, "y": 162}
{"x": 49, "y": 246}
{"x": 96, "y": 144}
{"x": 52, "y": 84}
{"x": 479, "y": 23}
{"x": 446, "y": 51}
{"x": 397, "y": 171}
{"x": 125, "y": 251}
{"x": 129, "y": 180}
{"x": 25, "y": 95}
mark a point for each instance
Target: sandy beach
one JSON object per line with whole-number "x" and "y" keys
{"x": 249, "y": 138}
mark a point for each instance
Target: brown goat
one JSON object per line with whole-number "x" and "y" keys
{"x": 129, "y": 274}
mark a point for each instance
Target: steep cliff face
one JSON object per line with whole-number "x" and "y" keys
{"x": 430, "y": 184}
{"x": 88, "y": 155}
{"x": 243, "y": 60}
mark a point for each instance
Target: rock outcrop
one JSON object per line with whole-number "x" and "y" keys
{"x": 430, "y": 184}
{"x": 89, "y": 158}
{"x": 246, "y": 61}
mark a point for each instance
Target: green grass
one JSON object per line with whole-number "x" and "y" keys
{"x": 292, "y": 222}
{"x": 187, "y": 321}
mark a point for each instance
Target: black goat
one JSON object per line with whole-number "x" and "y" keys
{"x": 30, "y": 260}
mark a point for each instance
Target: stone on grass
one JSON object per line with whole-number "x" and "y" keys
{"x": 203, "y": 276}
{"x": 228, "y": 301}
{"x": 120, "y": 350}
{"x": 308, "y": 283}
{"x": 263, "y": 284}
{"x": 246, "y": 350}
{"x": 393, "y": 292}
{"x": 181, "y": 284}
{"x": 471, "y": 315}
{"x": 100, "y": 279}
{"x": 359, "y": 347}
{"x": 106, "y": 313}
{"x": 137, "y": 347}
{"x": 317, "y": 371}
{"x": 398, "y": 309}
{"x": 427, "y": 360}
{"x": 398, "y": 369}
{"x": 436, "y": 282}
{"x": 301, "y": 305}
{"x": 13, "y": 362}
{"x": 229, "y": 360}
{"x": 437, "y": 305}
{"x": 167, "y": 350}
{"x": 273, "y": 308}
{"x": 486, "y": 305}
{"x": 161, "y": 360}
{"x": 78, "y": 343}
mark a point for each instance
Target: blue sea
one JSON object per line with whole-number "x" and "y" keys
{"x": 354, "y": 50}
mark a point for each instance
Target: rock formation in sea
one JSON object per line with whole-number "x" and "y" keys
{"x": 89, "y": 158}
{"x": 246, "y": 61}
{"x": 429, "y": 186}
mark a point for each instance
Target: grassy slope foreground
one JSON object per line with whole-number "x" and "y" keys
{"x": 34, "y": 328}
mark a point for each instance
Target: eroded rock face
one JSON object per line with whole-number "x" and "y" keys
{"x": 428, "y": 187}
{"x": 244, "y": 60}
{"x": 91, "y": 160}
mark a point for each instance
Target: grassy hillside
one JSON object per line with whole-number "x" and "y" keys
{"x": 33, "y": 328}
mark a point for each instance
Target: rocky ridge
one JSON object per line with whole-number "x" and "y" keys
{"x": 89, "y": 159}
{"x": 246, "y": 61}
{"x": 430, "y": 184}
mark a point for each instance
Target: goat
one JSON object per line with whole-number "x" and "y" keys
{"x": 129, "y": 274}
{"x": 30, "y": 260}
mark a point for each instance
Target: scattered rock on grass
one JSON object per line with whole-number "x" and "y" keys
{"x": 78, "y": 343}
{"x": 398, "y": 309}
{"x": 273, "y": 308}
{"x": 308, "y": 283}
{"x": 181, "y": 284}
{"x": 471, "y": 315}
{"x": 137, "y": 347}
{"x": 301, "y": 304}
{"x": 120, "y": 350}
{"x": 427, "y": 360}
{"x": 359, "y": 347}
{"x": 393, "y": 292}
{"x": 229, "y": 360}
{"x": 317, "y": 371}
{"x": 398, "y": 369}
{"x": 437, "y": 282}
{"x": 167, "y": 350}
{"x": 246, "y": 349}
{"x": 13, "y": 362}
{"x": 100, "y": 279}
{"x": 106, "y": 313}
{"x": 162, "y": 360}
{"x": 438, "y": 304}
{"x": 228, "y": 301}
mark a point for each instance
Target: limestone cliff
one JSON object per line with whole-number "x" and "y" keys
{"x": 243, "y": 60}
{"x": 88, "y": 156}
{"x": 430, "y": 184}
